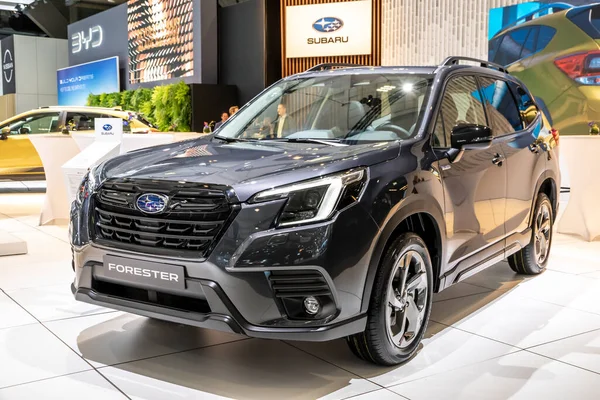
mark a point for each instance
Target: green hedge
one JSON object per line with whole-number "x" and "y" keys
{"x": 168, "y": 107}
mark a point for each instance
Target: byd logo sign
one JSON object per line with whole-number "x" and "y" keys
{"x": 85, "y": 40}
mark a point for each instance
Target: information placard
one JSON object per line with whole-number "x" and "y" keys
{"x": 108, "y": 129}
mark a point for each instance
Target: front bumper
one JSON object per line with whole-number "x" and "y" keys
{"x": 234, "y": 289}
{"x": 231, "y": 322}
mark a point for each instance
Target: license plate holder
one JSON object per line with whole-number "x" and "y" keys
{"x": 144, "y": 274}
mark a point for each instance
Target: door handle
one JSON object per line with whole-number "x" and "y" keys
{"x": 498, "y": 159}
{"x": 535, "y": 148}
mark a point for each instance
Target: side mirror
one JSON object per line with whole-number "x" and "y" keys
{"x": 471, "y": 136}
{"x": 4, "y": 133}
{"x": 65, "y": 131}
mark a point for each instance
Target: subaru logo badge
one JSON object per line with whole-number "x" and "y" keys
{"x": 107, "y": 127}
{"x": 152, "y": 203}
{"x": 328, "y": 24}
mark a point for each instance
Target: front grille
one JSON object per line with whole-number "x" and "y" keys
{"x": 299, "y": 283}
{"x": 193, "y": 220}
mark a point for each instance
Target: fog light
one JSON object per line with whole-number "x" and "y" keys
{"x": 311, "y": 305}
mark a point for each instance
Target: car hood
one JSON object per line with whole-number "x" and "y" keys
{"x": 247, "y": 167}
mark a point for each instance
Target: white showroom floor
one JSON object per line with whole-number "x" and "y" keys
{"x": 496, "y": 336}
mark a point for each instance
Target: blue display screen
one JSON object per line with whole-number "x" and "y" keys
{"x": 76, "y": 83}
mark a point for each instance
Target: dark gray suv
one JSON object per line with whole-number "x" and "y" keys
{"x": 332, "y": 205}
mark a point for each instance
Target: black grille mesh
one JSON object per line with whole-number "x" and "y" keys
{"x": 194, "y": 217}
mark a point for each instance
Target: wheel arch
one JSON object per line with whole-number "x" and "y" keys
{"x": 420, "y": 216}
{"x": 546, "y": 184}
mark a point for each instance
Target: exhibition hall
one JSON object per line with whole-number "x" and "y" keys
{"x": 299, "y": 199}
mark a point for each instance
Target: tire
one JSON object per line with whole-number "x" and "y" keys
{"x": 533, "y": 258}
{"x": 403, "y": 315}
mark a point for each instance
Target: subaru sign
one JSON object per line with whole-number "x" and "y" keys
{"x": 329, "y": 29}
{"x": 152, "y": 203}
{"x": 328, "y": 24}
{"x": 108, "y": 129}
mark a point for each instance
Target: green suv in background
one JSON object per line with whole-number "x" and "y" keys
{"x": 558, "y": 57}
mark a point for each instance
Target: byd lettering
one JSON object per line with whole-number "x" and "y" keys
{"x": 143, "y": 272}
{"x": 323, "y": 40}
{"x": 81, "y": 41}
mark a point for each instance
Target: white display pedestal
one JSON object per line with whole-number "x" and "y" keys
{"x": 83, "y": 140}
{"x": 11, "y": 245}
{"x": 54, "y": 150}
{"x": 582, "y": 215}
{"x": 75, "y": 169}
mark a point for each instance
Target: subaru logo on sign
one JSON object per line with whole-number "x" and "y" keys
{"x": 107, "y": 127}
{"x": 152, "y": 203}
{"x": 328, "y": 24}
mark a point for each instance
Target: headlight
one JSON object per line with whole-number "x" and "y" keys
{"x": 87, "y": 186}
{"x": 316, "y": 200}
{"x": 83, "y": 192}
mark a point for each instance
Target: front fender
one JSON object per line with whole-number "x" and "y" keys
{"x": 411, "y": 205}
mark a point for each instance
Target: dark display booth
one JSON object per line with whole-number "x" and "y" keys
{"x": 227, "y": 52}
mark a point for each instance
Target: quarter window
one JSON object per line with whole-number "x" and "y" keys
{"x": 527, "y": 107}
{"x": 530, "y": 43}
{"x": 501, "y": 107}
{"x": 544, "y": 37}
{"x": 439, "y": 134}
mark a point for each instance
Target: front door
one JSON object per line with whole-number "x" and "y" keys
{"x": 474, "y": 185}
{"x": 17, "y": 154}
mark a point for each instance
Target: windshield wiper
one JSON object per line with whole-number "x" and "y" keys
{"x": 233, "y": 140}
{"x": 328, "y": 142}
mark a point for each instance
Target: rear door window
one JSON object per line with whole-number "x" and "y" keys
{"x": 81, "y": 121}
{"x": 511, "y": 46}
{"x": 500, "y": 104}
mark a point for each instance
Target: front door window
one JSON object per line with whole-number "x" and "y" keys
{"x": 33, "y": 124}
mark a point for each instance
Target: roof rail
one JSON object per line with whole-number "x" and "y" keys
{"x": 327, "y": 66}
{"x": 486, "y": 64}
{"x": 546, "y": 9}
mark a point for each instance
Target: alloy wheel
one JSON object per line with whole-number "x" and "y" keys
{"x": 543, "y": 233}
{"x": 406, "y": 299}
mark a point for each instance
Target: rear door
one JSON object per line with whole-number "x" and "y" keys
{"x": 18, "y": 155}
{"x": 518, "y": 146}
{"x": 474, "y": 185}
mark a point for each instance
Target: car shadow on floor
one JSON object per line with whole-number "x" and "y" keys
{"x": 255, "y": 368}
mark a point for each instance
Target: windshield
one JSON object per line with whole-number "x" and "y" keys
{"x": 352, "y": 108}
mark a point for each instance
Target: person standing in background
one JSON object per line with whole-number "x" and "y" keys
{"x": 224, "y": 117}
{"x": 233, "y": 110}
{"x": 284, "y": 125}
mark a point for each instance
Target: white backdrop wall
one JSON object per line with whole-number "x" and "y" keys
{"x": 36, "y": 62}
{"x": 424, "y": 32}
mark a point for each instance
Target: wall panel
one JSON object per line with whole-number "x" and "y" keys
{"x": 295, "y": 65}
{"x": 424, "y": 32}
